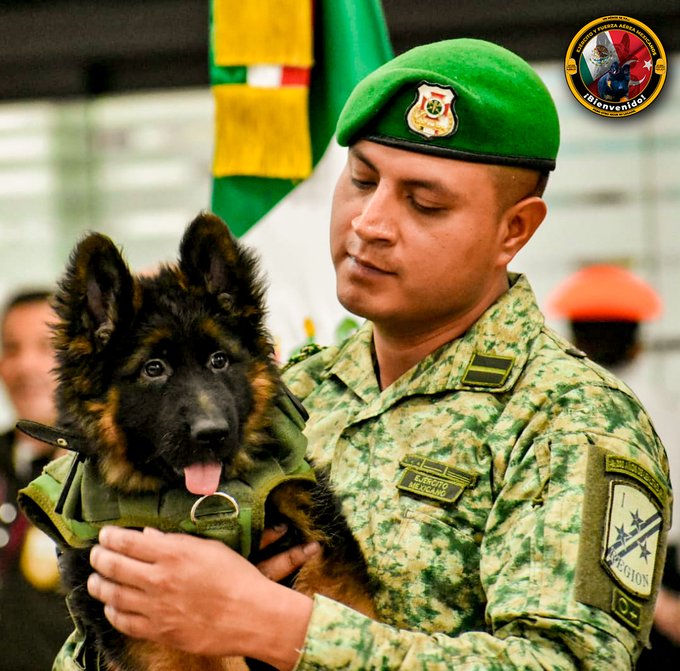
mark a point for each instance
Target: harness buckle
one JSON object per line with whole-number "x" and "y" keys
{"x": 236, "y": 509}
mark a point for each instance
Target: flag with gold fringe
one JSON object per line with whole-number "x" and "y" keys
{"x": 262, "y": 123}
{"x": 280, "y": 72}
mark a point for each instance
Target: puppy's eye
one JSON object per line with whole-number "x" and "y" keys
{"x": 219, "y": 360}
{"x": 154, "y": 368}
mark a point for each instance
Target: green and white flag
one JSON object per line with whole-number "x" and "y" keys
{"x": 280, "y": 72}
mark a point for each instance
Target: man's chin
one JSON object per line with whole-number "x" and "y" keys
{"x": 367, "y": 308}
{"x": 354, "y": 303}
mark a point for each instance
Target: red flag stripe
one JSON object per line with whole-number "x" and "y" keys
{"x": 291, "y": 76}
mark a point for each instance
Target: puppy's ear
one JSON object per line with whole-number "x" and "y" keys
{"x": 95, "y": 296}
{"x": 210, "y": 256}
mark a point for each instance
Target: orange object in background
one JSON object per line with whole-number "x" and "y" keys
{"x": 606, "y": 293}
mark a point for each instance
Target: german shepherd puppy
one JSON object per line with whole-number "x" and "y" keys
{"x": 169, "y": 379}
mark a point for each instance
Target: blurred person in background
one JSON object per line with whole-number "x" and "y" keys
{"x": 33, "y": 616}
{"x": 605, "y": 306}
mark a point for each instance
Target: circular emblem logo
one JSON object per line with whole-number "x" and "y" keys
{"x": 615, "y": 66}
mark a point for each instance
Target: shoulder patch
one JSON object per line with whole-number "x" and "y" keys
{"x": 632, "y": 537}
{"x": 625, "y": 523}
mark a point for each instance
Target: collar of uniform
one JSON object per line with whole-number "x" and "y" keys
{"x": 504, "y": 330}
{"x": 354, "y": 364}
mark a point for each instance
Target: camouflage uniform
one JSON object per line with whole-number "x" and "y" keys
{"x": 512, "y": 426}
{"x": 481, "y": 486}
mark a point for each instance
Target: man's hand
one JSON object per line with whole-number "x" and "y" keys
{"x": 199, "y": 595}
{"x": 280, "y": 566}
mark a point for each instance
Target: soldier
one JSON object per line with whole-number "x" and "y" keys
{"x": 33, "y": 616}
{"x": 511, "y": 498}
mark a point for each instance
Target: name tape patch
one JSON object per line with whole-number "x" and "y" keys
{"x": 433, "y": 480}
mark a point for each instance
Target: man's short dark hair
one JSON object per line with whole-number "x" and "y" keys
{"x": 542, "y": 183}
{"x": 24, "y": 297}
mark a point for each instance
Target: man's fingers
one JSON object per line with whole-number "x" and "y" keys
{"x": 272, "y": 534}
{"x": 136, "y": 544}
{"x": 282, "y": 565}
{"x": 131, "y": 624}
{"x": 120, "y": 597}
{"x": 119, "y": 568}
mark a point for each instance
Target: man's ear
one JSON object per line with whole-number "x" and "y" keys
{"x": 518, "y": 224}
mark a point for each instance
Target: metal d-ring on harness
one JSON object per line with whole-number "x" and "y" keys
{"x": 234, "y": 513}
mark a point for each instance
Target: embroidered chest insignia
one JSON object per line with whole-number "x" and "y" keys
{"x": 432, "y": 114}
{"x": 433, "y": 480}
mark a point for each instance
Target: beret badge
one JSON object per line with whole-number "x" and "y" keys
{"x": 432, "y": 113}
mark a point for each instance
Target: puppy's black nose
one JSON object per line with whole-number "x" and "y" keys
{"x": 210, "y": 431}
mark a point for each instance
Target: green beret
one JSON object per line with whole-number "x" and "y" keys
{"x": 465, "y": 99}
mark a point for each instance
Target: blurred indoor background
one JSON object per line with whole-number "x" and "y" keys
{"x": 106, "y": 123}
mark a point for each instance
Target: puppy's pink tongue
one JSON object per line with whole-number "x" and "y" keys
{"x": 203, "y": 478}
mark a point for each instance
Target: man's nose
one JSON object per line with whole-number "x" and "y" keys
{"x": 26, "y": 359}
{"x": 377, "y": 220}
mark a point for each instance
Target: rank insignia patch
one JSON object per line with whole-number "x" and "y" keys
{"x": 630, "y": 544}
{"x": 487, "y": 370}
{"x": 432, "y": 114}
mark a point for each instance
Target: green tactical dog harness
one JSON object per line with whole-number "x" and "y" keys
{"x": 71, "y": 503}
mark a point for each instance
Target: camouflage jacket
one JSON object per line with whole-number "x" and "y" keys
{"x": 511, "y": 497}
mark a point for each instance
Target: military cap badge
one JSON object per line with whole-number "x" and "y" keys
{"x": 432, "y": 113}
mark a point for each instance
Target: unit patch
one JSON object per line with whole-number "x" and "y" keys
{"x": 624, "y": 526}
{"x": 433, "y": 480}
{"x": 432, "y": 114}
{"x": 632, "y": 538}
